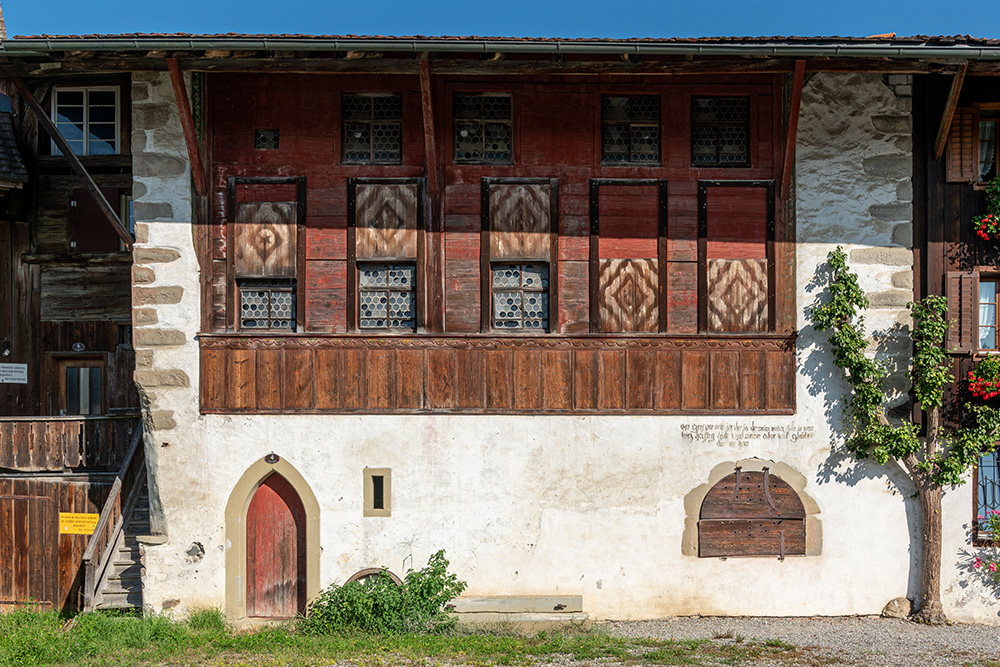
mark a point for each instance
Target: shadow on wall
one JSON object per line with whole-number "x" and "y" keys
{"x": 977, "y": 584}
{"x": 826, "y": 381}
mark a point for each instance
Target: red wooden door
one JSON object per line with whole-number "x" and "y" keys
{"x": 276, "y": 551}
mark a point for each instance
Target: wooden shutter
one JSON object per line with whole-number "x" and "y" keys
{"x": 386, "y": 220}
{"x": 962, "y": 150}
{"x": 265, "y": 240}
{"x": 519, "y": 221}
{"x": 962, "y": 292}
{"x": 738, "y": 226}
{"x": 628, "y": 265}
{"x": 89, "y": 230}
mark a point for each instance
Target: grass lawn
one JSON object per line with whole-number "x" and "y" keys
{"x": 37, "y": 638}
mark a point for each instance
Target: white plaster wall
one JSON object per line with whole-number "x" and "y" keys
{"x": 581, "y": 505}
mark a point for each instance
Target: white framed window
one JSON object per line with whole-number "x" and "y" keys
{"x": 89, "y": 119}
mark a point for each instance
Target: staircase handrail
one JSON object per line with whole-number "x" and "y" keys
{"x": 112, "y": 520}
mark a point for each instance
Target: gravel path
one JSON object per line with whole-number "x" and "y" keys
{"x": 852, "y": 640}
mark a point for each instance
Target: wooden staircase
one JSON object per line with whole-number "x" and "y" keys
{"x": 122, "y": 587}
{"x": 112, "y": 562}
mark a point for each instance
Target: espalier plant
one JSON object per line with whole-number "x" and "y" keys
{"x": 934, "y": 459}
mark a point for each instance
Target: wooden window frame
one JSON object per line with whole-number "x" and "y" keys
{"x": 232, "y": 290}
{"x": 627, "y": 123}
{"x": 344, "y": 122}
{"x": 454, "y": 126}
{"x": 661, "y": 248}
{"x": 87, "y": 90}
{"x": 987, "y": 277}
{"x": 352, "y": 257}
{"x": 58, "y": 362}
{"x": 752, "y": 142}
{"x": 485, "y": 259}
{"x": 772, "y": 288}
{"x": 982, "y": 538}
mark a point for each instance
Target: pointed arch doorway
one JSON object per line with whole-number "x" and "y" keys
{"x": 276, "y": 551}
{"x": 272, "y": 535}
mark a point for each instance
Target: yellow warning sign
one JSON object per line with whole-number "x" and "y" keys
{"x": 77, "y": 524}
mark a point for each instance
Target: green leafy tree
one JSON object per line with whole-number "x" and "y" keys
{"x": 934, "y": 459}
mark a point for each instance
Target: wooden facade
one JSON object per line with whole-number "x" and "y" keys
{"x": 668, "y": 286}
{"x": 65, "y": 313}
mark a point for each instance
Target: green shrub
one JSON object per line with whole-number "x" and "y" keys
{"x": 378, "y": 604}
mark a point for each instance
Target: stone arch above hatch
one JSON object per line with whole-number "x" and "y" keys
{"x": 714, "y": 502}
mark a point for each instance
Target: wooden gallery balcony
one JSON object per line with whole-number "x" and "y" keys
{"x": 736, "y": 374}
{"x": 65, "y": 444}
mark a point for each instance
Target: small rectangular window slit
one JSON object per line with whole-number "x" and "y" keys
{"x": 265, "y": 140}
{"x": 377, "y": 491}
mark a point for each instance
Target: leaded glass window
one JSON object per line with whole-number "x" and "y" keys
{"x": 373, "y": 129}
{"x": 631, "y": 130}
{"x": 265, "y": 140}
{"x": 720, "y": 131}
{"x": 387, "y": 295}
{"x": 88, "y": 119}
{"x": 483, "y": 129}
{"x": 520, "y": 296}
{"x": 987, "y": 314}
{"x": 267, "y": 304}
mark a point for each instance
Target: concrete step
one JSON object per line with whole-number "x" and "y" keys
{"x": 517, "y": 604}
{"x": 527, "y": 623}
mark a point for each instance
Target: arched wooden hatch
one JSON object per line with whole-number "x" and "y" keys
{"x": 752, "y": 514}
{"x": 276, "y": 551}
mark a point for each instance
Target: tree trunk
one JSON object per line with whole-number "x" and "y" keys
{"x": 931, "y": 610}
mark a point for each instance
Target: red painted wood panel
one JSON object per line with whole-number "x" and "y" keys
{"x": 629, "y": 221}
{"x": 276, "y": 551}
{"x": 737, "y": 222}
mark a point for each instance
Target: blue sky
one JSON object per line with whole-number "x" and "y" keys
{"x": 519, "y": 18}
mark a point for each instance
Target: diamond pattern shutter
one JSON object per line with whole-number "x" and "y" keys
{"x": 519, "y": 221}
{"x": 265, "y": 239}
{"x": 961, "y": 290}
{"x": 628, "y": 262}
{"x": 962, "y": 150}
{"x": 738, "y": 223}
{"x": 386, "y": 220}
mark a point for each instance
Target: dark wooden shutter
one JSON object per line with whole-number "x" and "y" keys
{"x": 962, "y": 151}
{"x": 89, "y": 230}
{"x": 962, "y": 291}
{"x": 751, "y": 514}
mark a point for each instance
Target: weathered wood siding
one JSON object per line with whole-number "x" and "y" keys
{"x": 40, "y": 565}
{"x": 522, "y": 375}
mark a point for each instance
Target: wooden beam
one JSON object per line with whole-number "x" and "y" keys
{"x": 793, "y": 127}
{"x": 74, "y": 162}
{"x": 187, "y": 122}
{"x": 427, "y": 109}
{"x": 949, "y": 111}
{"x": 433, "y": 218}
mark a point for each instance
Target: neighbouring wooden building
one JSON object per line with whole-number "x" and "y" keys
{"x": 540, "y": 303}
